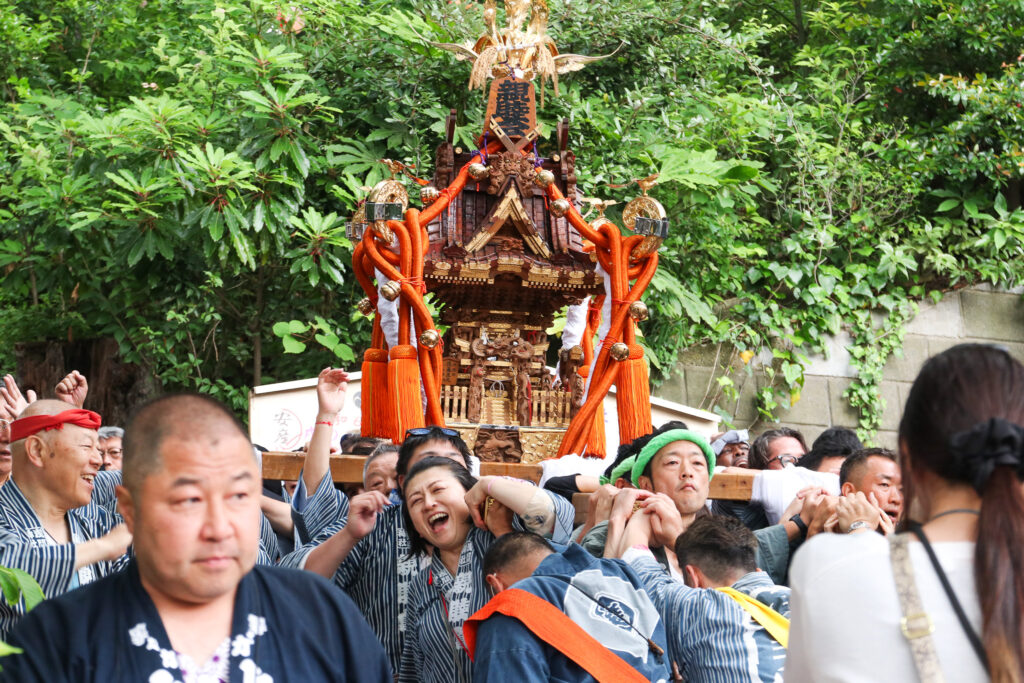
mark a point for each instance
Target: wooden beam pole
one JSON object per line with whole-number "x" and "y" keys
{"x": 349, "y": 469}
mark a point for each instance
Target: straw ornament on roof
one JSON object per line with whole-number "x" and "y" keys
{"x": 515, "y": 51}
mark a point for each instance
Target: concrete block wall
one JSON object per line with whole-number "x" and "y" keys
{"x": 980, "y": 314}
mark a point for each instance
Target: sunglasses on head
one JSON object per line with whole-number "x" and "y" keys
{"x": 424, "y": 431}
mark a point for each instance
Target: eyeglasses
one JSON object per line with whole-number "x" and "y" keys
{"x": 6, "y": 425}
{"x": 113, "y": 452}
{"x": 786, "y": 459}
{"x": 425, "y": 431}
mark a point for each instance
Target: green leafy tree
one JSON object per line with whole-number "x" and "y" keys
{"x": 177, "y": 175}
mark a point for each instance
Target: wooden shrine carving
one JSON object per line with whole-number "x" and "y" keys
{"x": 501, "y": 247}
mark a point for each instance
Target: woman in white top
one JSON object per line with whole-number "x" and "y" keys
{"x": 962, "y": 448}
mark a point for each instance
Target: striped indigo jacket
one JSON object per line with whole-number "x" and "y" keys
{"x": 710, "y": 636}
{"x": 25, "y": 545}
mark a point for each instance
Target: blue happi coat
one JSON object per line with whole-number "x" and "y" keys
{"x": 286, "y": 626}
{"x": 604, "y": 597}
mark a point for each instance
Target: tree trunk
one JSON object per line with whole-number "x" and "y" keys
{"x": 116, "y": 389}
{"x": 798, "y": 21}
{"x": 257, "y": 340}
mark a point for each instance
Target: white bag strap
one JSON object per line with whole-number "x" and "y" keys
{"x": 916, "y": 625}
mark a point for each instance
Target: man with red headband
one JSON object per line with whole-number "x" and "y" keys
{"x": 49, "y": 525}
{"x": 5, "y": 450}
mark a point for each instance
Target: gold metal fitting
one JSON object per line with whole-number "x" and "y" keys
{"x": 430, "y": 338}
{"x": 391, "y": 290}
{"x": 619, "y": 351}
{"x": 544, "y": 178}
{"x": 560, "y": 207}
{"x": 429, "y": 194}
{"x": 365, "y": 306}
{"x": 638, "y": 311}
{"x": 478, "y": 171}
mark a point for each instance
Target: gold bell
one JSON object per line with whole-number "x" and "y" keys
{"x": 429, "y": 339}
{"x": 638, "y": 311}
{"x": 560, "y": 207}
{"x": 544, "y": 178}
{"x": 391, "y": 290}
{"x": 429, "y": 194}
{"x": 619, "y": 351}
{"x": 365, "y": 306}
{"x": 478, "y": 171}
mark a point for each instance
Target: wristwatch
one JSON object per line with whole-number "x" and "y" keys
{"x": 859, "y": 524}
{"x": 800, "y": 524}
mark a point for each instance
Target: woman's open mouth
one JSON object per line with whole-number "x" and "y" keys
{"x": 437, "y": 521}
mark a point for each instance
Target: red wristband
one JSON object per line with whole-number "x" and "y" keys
{"x": 324, "y": 422}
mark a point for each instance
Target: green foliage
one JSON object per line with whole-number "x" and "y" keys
{"x": 872, "y": 347}
{"x": 177, "y": 175}
{"x": 18, "y": 585}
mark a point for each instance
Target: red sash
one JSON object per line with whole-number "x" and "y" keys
{"x": 552, "y": 626}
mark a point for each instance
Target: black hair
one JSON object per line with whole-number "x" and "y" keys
{"x": 855, "y": 462}
{"x": 759, "y": 450}
{"x": 963, "y": 418}
{"x": 417, "y": 544}
{"x": 362, "y": 445}
{"x": 718, "y": 546}
{"x": 512, "y": 546}
{"x": 170, "y": 415}
{"x": 834, "y": 442}
{"x": 634, "y": 447}
{"x": 433, "y": 433}
{"x": 382, "y": 449}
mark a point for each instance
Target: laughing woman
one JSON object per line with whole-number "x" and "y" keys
{"x": 446, "y": 509}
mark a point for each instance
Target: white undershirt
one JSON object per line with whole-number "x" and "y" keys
{"x": 85, "y": 574}
{"x": 846, "y": 614}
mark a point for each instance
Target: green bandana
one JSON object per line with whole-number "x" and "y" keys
{"x": 664, "y": 439}
{"x": 621, "y": 470}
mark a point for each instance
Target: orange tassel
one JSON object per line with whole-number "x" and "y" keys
{"x": 634, "y": 396}
{"x": 404, "y": 385}
{"x": 596, "y": 447}
{"x": 377, "y": 417}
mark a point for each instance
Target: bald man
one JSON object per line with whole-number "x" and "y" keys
{"x": 49, "y": 525}
{"x": 193, "y": 604}
{"x": 5, "y": 450}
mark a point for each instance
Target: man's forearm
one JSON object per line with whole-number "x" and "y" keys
{"x": 318, "y": 457}
{"x": 279, "y": 514}
{"x": 526, "y": 500}
{"x": 92, "y": 551}
{"x": 328, "y": 556}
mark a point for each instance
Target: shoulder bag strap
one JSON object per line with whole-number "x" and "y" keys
{"x": 552, "y": 626}
{"x": 972, "y": 636}
{"x": 916, "y": 625}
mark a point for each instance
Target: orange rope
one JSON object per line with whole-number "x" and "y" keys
{"x": 577, "y": 220}
{"x": 449, "y": 193}
{"x": 578, "y": 430}
{"x": 429, "y": 359}
{"x": 362, "y": 273}
{"x": 613, "y": 253}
